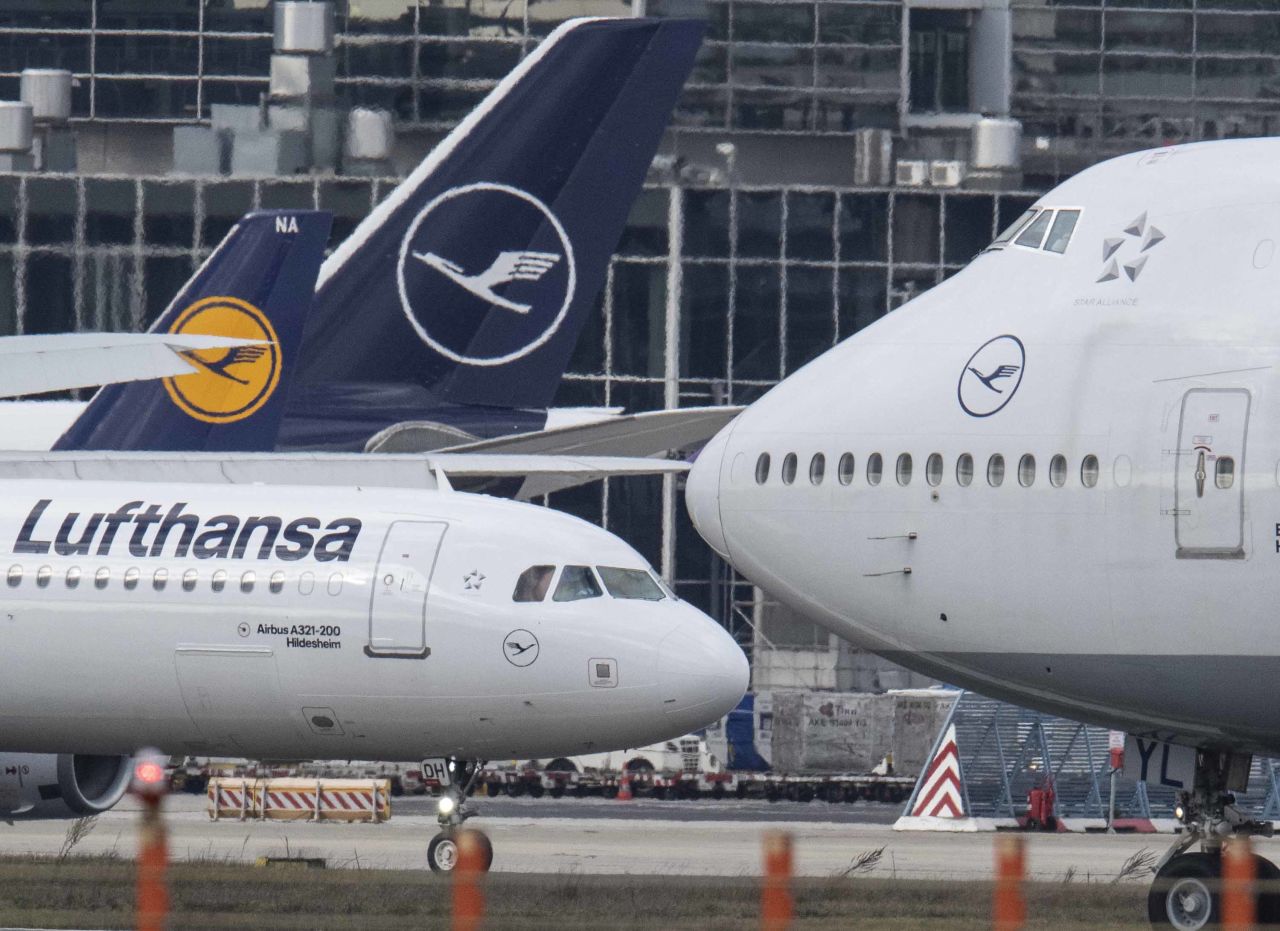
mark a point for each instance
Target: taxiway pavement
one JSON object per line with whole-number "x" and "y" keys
{"x": 564, "y": 835}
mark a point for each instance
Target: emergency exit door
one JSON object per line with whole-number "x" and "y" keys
{"x": 1209, "y": 491}
{"x": 398, "y": 609}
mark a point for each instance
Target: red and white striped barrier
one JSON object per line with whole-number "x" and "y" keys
{"x": 300, "y": 799}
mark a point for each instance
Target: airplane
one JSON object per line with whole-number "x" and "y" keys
{"x": 1051, "y": 479}
{"x": 207, "y": 563}
{"x": 307, "y": 622}
{"x": 448, "y": 316}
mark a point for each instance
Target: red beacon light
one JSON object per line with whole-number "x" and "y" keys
{"x": 150, "y": 776}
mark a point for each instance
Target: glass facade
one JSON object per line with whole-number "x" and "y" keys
{"x": 768, "y": 273}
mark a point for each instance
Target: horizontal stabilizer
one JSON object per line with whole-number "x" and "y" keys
{"x": 35, "y": 363}
{"x": 324, "y": 469}
{"x": 651, "y": 433}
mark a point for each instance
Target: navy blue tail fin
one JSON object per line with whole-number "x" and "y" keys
{"x": 475, "y": 276}
{"x": 257, "y": 287}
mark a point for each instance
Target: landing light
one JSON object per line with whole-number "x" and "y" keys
{"x": 1179, "y": 812}
{"x": 445, "y": 806}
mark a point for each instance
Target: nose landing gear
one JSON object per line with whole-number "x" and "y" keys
{"x": 1185, "y": 891}
{"x": 452, "y": 811}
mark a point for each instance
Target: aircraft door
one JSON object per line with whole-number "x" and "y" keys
{"x": 398, "y": 609}
{"x": 1209, "y": 487}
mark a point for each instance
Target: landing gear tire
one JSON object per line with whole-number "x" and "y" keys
{"x": 442, "y": 852}
{"x": 1184, "y": 894}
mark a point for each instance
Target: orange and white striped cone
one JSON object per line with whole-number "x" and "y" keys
{"x": 624, "y": 790}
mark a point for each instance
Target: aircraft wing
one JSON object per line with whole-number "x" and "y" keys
{"x": 651, "y": 433}
{"x": 35, "y": 363}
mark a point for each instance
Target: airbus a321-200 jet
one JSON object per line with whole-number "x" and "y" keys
{"x": 1053, "y": 478}
{"x": 279, "y": 620}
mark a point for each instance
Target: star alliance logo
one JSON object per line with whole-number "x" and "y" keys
{"x": 486, "y": 274}
{"x": 1140, "y": 233}
{"x": 991, "y": 376}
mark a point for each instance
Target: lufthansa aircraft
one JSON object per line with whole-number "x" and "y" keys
{"x": 204, "y": 606}
{"x": 1049, "y": 478}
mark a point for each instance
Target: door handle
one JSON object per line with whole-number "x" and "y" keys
{"x": 1201, "y": 475}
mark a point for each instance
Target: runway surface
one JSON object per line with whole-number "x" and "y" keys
{"x": 618, "y": 837}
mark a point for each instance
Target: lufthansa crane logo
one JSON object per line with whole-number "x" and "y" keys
{"x": 520, "y": 647}
{"x": 227, "y": 384}
{"x": 992, "y": 375}
{"x": 486, "y": 274}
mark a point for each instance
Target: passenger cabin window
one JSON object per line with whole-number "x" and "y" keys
{"x": 101, "y": 577}
{"x": 875, "y": 468}
{"x": 576, "y": 583}
{"x": 903, "y": 470}
{"x": 219, "y": 580}
{"x": 1027, "y": 470}
{"x": 1224, "y": 474}
{"x": 789, "y": 469}
{"x": 306, "y": 583}
{"x": 131, "y": 577}
{"x": 160, "y": 579}
{"x": 845, "y": 469}
{"x": 1089, "y": 471}
{"x": 1064, "y": 224}
{"x": 964, "y": 470}
{"x": 247, "y": 581}
{"x": 632, "y": 584}
{"x": 189, "y": 580}
{"x": 277, "y": 582}
{"x": 45, "y": 573}
{"x": 762, "y": 469}
{"x": 73, "y": 577}
{"x": 15, "y": 576}
{"x": 933, "y": 469}
{"x": 995, "y": 471}
{"x": 1058, "y": 471}
{"x": 533, "y": 583}
{"x": 817, "y": 468}
{"x": 1033, "y": 235}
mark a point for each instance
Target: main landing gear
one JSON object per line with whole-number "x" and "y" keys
{"x": 452, "y": 810}
{"x": 1185, "y": 892}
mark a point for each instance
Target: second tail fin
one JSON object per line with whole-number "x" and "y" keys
{"x": 256, "y": 287}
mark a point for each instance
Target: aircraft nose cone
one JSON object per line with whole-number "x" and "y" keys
{"x": 702, "y": 672}
{"x": 702, "y": 492}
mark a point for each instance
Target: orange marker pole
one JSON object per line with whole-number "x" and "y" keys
{"x": 468, "y": 897}
{"x": 1238, "y": 899}
{"x": 1009, "y": 908}
{"x": 777, "y": 906}
{"x": 150, "y": 783}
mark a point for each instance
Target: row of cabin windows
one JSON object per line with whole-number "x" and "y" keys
{"x": 934, "y": 469}
{"x": 160, "y": 579}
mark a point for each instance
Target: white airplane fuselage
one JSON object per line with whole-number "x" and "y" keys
{"x": 1143, "y": 600}
{"x": 279, "y": 622}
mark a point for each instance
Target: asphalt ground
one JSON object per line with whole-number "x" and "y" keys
{"x": 558, "y": 836}
{"x": 650, "y": 809}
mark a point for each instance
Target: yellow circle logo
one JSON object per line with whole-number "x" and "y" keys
{"x": 227, "y": 384}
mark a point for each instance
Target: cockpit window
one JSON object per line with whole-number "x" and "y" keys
{"x": 1064, "y": 224}
{"x": 533, "y": 583}
{"x": 576, "y": 583}
{"x": 630, "y": 583}
{"x": 1033, "y": 235}
{"x": 1014, "y": 228}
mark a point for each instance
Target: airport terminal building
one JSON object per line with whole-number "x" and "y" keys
{"x": 828, "y": 160}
